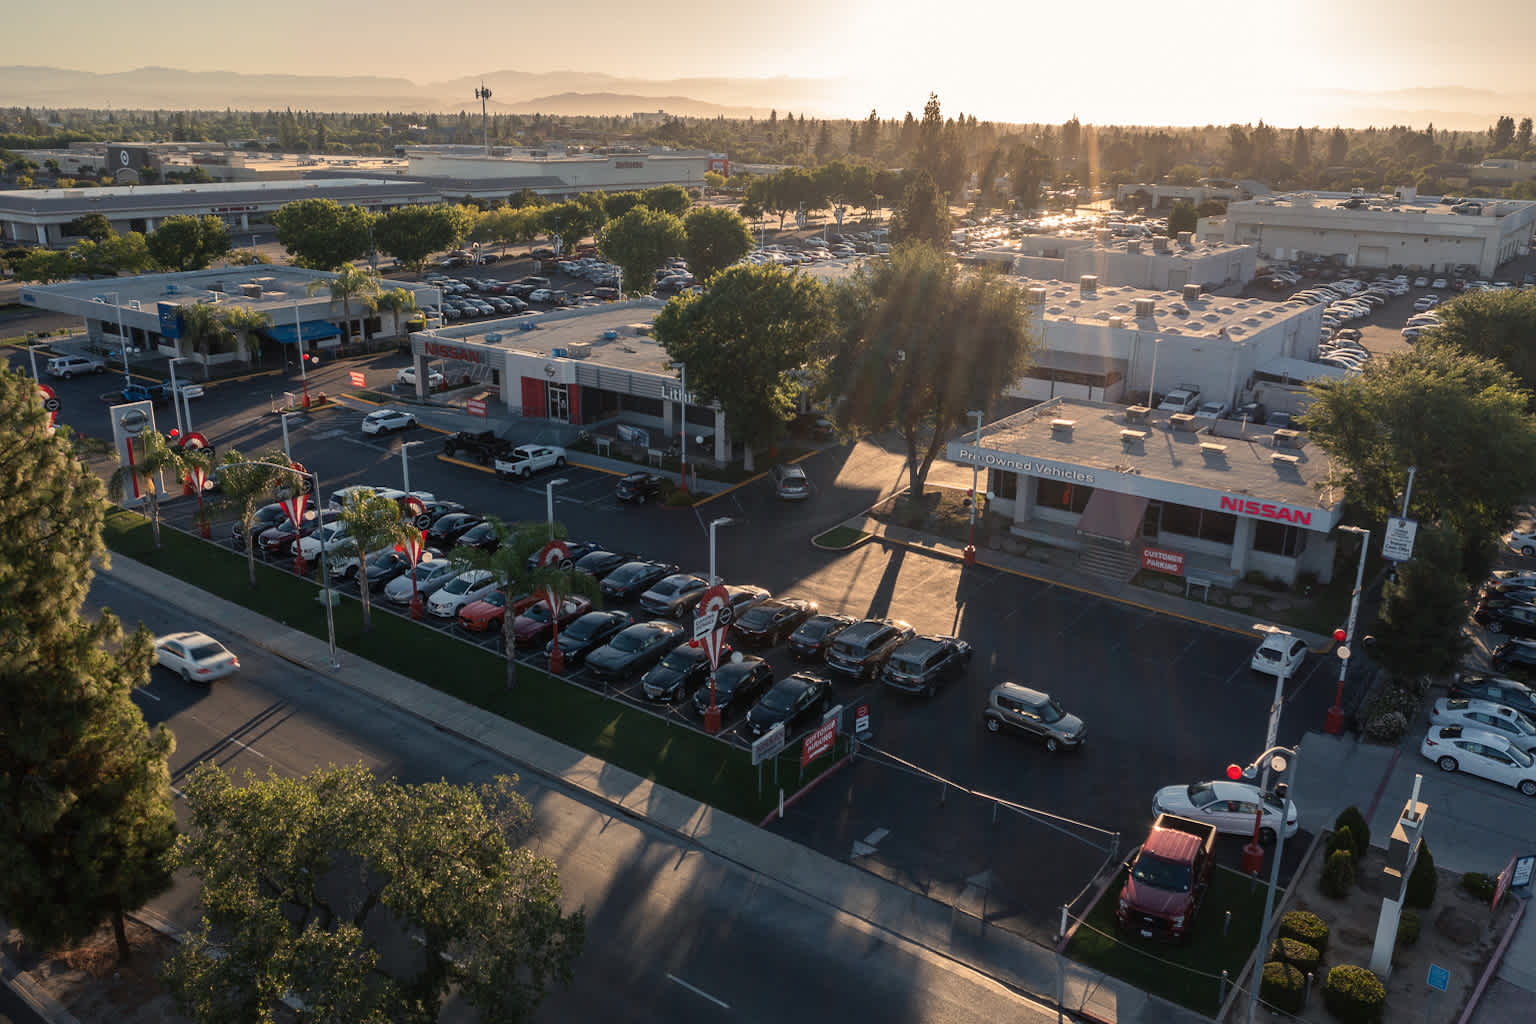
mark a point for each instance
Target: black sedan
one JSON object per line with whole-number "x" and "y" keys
{"x": 800, "y": 698}
{"x": 634, "y": 650}
{"x": 1514, "y": 619}
{"x": 600, "y": 563}
{"x": 385, "y": 566}
{"x": 267, "y": 517}
{"x": 578, "y": 549}
{"x": 446, "y": 531}
{"x": 587, "y": 634}
{"x": 815, "y": 635}
{"x": 678, "y": 673}
{"x": 768, "y": 623}
{"x": 737, "y": 683}
{"x": 481, "y": 537}
{"x": 639, "y": 487}
{"x": 632, "y": 579}
{"x": 1502, "y": 691}
{"x": 924, "y": 663}
{"x": 435, "y": 510}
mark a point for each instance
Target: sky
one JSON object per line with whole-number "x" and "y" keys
{"x": 1113, "y": 61}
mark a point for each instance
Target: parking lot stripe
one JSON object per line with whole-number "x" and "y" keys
{"x": 697, "y": 991}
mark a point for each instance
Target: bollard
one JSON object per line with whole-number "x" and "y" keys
{"x": 994, "y": 812}
{"x": 781, "y": 803}
{"x": 1226, "y": 923}
{"x": 1223, "y": 997}
{"x": 944, "y": 794}
{"x": 1306, "y": 995}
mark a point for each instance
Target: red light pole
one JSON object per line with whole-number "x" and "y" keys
{"x": 412, "y": 546}
{"x": 1334, "y": 723}
{"x": 968, "y": 556}
{"x": 556, "y": 655}
{"x": 1253, "y": 852}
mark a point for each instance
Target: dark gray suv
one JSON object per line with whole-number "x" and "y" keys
{"x": 1021, "y": 709}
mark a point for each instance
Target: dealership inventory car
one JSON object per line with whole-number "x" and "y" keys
{"x": 587, "y": 634}
{"x": 600, "y": 563}
{"x": 428, "y": 577}
{"x": 795, "y": 700}
{"x": 632, "y": 579}
{"x": 737, "y": 683}
{"x": 810, "y": 641}
{"x": 446, "y": 531}
{"x": 387, "y": 421}
{"x": 1483, "y": 714}
{"x": 1522, "y": 540}
{"x": 535, "y": 626}
{"x": 674, "y": 596}
{"x": 1479, "y": 752}
{"x": 861, "y": 649}
{"x": 195, "y": 656}
{"x": 1033, "y": 713}
{"x": 489, "y": 614}
{"x": 467, "y": 586}
{"x": 676, "y": 675}
{"x": 634, "y": 649}
{"x": 924, "y": 663}
{"x": 1502, "y": 616}
{"x": 768, "y": 623}
{"x": 1497, "y": 689}
{"x": 1231, "y": 806}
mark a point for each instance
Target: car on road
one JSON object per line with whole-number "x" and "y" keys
{"x": 635, "y": 649}
{"x": 1231, "y": 806}
{"x": 675, "y": 676}
{"x": 435, "y": 380}
{"x": 446, "y": 530}
{"x": 467, "y": 586}
{"x": 534, "y": 625}
{"x": 790, "y": 483}
{"x": 1034, "y": 713}
{"x": 195, "y": 656}
{"x": 1459, "y": 748}
{"x": 1497, "y": 689}
{"x": 598, "y": 564}
{"x": 1484, "y": 714}
{"x": 1279, "y": 654}
{"x": 67, "y": 367}
{"x": 1522, "y": 540}
{"x": 632, "y": 579}
{"x": 639, "y": 487}
{"x": 1500, "y": 617}
{"x": 674, "y": 596}
{"x": 768, "y": 623}
{"x": 793, "y": 700}
{"x": 809, "y": 642}
{"x": 387, "y": 421}
{"x": 528, "y": 459}
{"x": 861, "y": 649}
{"x": 924, "y": 663}
{"x": 737, "y": 683}
{"x": 587, "y": 634}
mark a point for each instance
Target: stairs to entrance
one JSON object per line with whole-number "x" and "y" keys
{"x": 1109, "y": 562}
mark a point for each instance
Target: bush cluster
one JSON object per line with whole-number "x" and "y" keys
{"x": 1387, "y": 727}
{"x": 1422, "y": 881}
{"x": 1341, "y": 838}
{"x": 1305, "y": 926}
{"x": 1480, "y": 885}
{"x": 1283, "y": 986}
{"x": 1351, "y": 818}
{"x": 1354, "y": 995}
{"x": 1303, "y": 957}
{"x": 1408, "y": 928}
{"x": 1338, "y": 874}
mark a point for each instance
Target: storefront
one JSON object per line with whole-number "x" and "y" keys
{"x": 1169, "y": 490}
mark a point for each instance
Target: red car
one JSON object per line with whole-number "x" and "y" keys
{"x": 533, "y": 626}
{"x": 488, "y": 614}
{"x": 278, "y": 540}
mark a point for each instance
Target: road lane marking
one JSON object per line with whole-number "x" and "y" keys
{"x": 145, "y": 691}
{"x": 697, "y": 991}
{"x": 246, "y": 746}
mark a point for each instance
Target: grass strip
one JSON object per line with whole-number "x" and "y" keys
{"x": 709, "y": 770}
{"x": 839, "y": 538}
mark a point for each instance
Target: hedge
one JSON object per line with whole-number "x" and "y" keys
{"x": 1354, "y": 995}
{"x": 1283, "y": 986}
{"x": 1305, "y": 926}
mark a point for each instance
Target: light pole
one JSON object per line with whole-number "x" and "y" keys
{"x": 298, "y": 341}
{"x": 176, "y": 397}
{"x": 122, "y": 339}
{"x": 713, "y": 526}
{"x": 1334, "y": 723}
{"x": 683, "y": 414}
{"x": 286, "y": 450}
{"x": 405, "y": 465}
{"x": 549, "y": 505}
{"x": 32, "y": 356}
{"x": 1253, "y": 853}
{"x": 970, "y": 539}
{"x": 1275, "y": 757}
{"x": 1152, "y": 383}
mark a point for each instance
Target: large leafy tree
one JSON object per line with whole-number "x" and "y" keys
{"x": 399, "y": 302}
{"x": 921, "y": 345}
{"x": 1495, "y": 325}
{"x": 1419, "y": 629}
{"x": 571, "y": 221}
{"x": 1458, "y": 418}
{"x": 717, "y": 237}
{"x": 671, "y": 199}
{"x": 350, "y": 284}
{"x": 188, "y": 243}
{"x": 309, "y": 884}
{"x": 155, "y": 460}
{"x": 923, "y": 215}
{"x": 321, "y": 234}
{"x": 411, "y": 234}
{"x": 1028, "y": 169}
{"x": 1183, "y": 217}
{"x": 86, "y": 825}
{"x": 639, "y": 242}
{"x": 743, "y": 339}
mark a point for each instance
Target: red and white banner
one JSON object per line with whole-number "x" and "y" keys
{"x": 50, "y": 404}
{"x": 358, "y": 380}
{"x": 711, "y": 619}
{"x": 294, "y": 508}
{"x": 475, "y": 406}
{"x": 818, "y": 742}
{"x": 1158, "y": 560}
{"x": 555, "y": 555}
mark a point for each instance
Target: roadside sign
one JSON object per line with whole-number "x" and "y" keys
{"x": 555, "y": 554}
{"x": 475, "y": 406}
{"x": 1439, "y": 978}
{"x": 1522, "y": 876}
{"x": 861, "y": 720}
{"x": 1397, "y": 542}
{"x": 1159, "y": 560}
{"x": 769, "y": 744}
{"x": 818, "y": 742}
{"x": 357, "y": 378}
{"x": 703, "y": 625}
{"x": 51, "y": 404}
{"x": 1505, "y": 877}
{"x": 715, "y": 607}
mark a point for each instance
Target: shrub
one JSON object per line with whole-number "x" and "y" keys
{"x": 1480, "y": 885}
{"x": 1305, "y": 926}
{"x": 1342, "y": 838}
{"x": 678, "y": 497}
{"x": 1354, "y": 995}
{"x": 1283, "y": 986}
{"x": 1408, "y": 928}
{"x": 1297, "y": 953}
{"x": 1338, "y": 874}
{"x": 1423, "y": 881}
{"x": 1387, "y": 727}
{"x": 1351, "y": 818}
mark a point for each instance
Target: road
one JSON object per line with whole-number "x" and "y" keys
{"x": 674, "y": 934}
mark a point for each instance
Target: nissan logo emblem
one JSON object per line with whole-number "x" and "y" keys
{"x": 133, "y": 422}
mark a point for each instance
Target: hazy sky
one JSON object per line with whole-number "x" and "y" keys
{"x": 1013, "y": 60}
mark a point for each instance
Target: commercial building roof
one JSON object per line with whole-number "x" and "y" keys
{"x": 1161, "y": 312}
{"x": 54, "y": 203}
{"x": 618, "y": 334}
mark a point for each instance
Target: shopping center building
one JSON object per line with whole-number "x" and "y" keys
{"x": 1129, "y": 489}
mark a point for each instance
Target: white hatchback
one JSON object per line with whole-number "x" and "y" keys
{"x": 1280, "y": 654}
{"x": 1480, "y": 752}
{"x": 195, "y": 656}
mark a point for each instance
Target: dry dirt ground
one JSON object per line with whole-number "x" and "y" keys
{"x": 93, "y": 986}
{"x": 1458, "y": 933}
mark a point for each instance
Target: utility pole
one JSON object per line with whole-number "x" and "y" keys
{"x": 482, "y": 94}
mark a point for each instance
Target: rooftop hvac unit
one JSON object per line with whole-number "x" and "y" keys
{"x": 1133, "y": 247}
{"x": 1035, "y": 296}
{"x": 1287, "y": 438}
{"x": 1159, "y": 243}
{"x": 610, "y": 335}
{"x": 251, "y": 291}
{"x": 1185, "y": 238}
{"x": 579, "y": 350}
{"x": 1191, "y": 293}
{"x": 1146, "y": 307}
{"x": 1062, "y": 426}
{"x": 1088, "y": 285}
{"x": 1117, "y": 321}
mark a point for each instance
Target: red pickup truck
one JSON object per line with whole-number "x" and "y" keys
{"x": 1167, "y": 878}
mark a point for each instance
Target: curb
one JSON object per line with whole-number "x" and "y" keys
{"x": 1493, "y": 965}
{"x": 43, "y": 1005}
{"x": 803, "y": 790}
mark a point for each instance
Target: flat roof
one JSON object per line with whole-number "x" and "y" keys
{"x": 61, "y": 201}
{"x": 281, "y": 285}
{"x": 1210, "y": 316}
{"x": 630, "y": 348}
{"x": 1094, "y": 441}
{"x": 1429, "y": 206}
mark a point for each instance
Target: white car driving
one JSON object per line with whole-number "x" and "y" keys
{"x": 463, "y": 589}
{"x": 1280, "y": 653}
{"x": 1230, "y": 806}
{"x": 195, "y": 656}
{"x": 388, "y": 420}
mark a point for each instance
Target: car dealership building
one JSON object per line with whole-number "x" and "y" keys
{"x": 1129, "y": 488}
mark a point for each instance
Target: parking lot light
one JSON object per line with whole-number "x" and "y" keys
{"x": 1253, "y": 853}
{"x": 715, "y": 524}
{"x": 405, "y": 462}
{"x": 549, "y": 503}
{"x": 970, "y": 539}
{"x": 1334, "y": 723}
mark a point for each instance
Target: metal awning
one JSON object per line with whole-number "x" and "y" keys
{"x": 1112, "y": 516}
{"x": 284, "y": 334}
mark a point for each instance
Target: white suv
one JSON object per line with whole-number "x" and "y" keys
{"x": 1280, "y": 653}
{"x": 68, "y": 366}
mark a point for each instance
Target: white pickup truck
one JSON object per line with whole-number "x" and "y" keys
{"x": 528, "y": 459}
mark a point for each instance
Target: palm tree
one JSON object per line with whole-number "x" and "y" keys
{"x": 509, "y": 562}
{"x": 154, "y": 458}
{"x": 204, "y": 328}
{"x": 242, "y": 323}
{"x": 250, "y": 486}
{"x": 398, "y": 301}
{"x": 373, "y": 525}
{"x": 349, "y": 283}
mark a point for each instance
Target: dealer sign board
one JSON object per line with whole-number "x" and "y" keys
{"x": 1158, "y": 560}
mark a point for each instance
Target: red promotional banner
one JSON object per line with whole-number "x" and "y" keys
{"x": 475, "y": 406}
{"x": 294, "y": 507}
{"x": 818, "y": 742}
{"x": 357, "y": 379}
{"x": 1158, "y": 560}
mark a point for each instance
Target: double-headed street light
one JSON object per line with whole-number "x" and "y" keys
{"x": 1253, "y": 853}
{"x": 970, "y": 539}
{"x": 713, "y": 526}
{"x": 1282, "y": 760}
{"x": 549, "y": 506}
{"x": 122, "y": 338}
{"x": 683, "y": 409}
{"x": 177, "y": 399}
{"x": 405, "y": 464}
{"x": 1334, "y": 723}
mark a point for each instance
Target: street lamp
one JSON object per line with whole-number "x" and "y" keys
{"x": 122, "y": 339}
{"x": 298, "y": 341}
{"x": 32, "y": 355}
{"x": 713, "y": 526}
{"x": 549, "y": 506}
{"x": 1253, "y": 853}
{"x": 684, "y": 413}
{"x": 1282, "y": 759}
{"x": 177, "y": 399}
{"x": 1334, "y": 723}
{"x": 405, "y": 465}
{"x": 286, "y": 450}
{"x": 1152, "y": 383}
{"x": 970, "y": 539}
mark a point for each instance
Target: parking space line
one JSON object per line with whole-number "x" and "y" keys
{"x": 697, "y": 991}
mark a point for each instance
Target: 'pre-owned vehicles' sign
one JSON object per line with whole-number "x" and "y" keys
{"x": 1018, "y": 464}
{"x": 1279, "y": 513}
